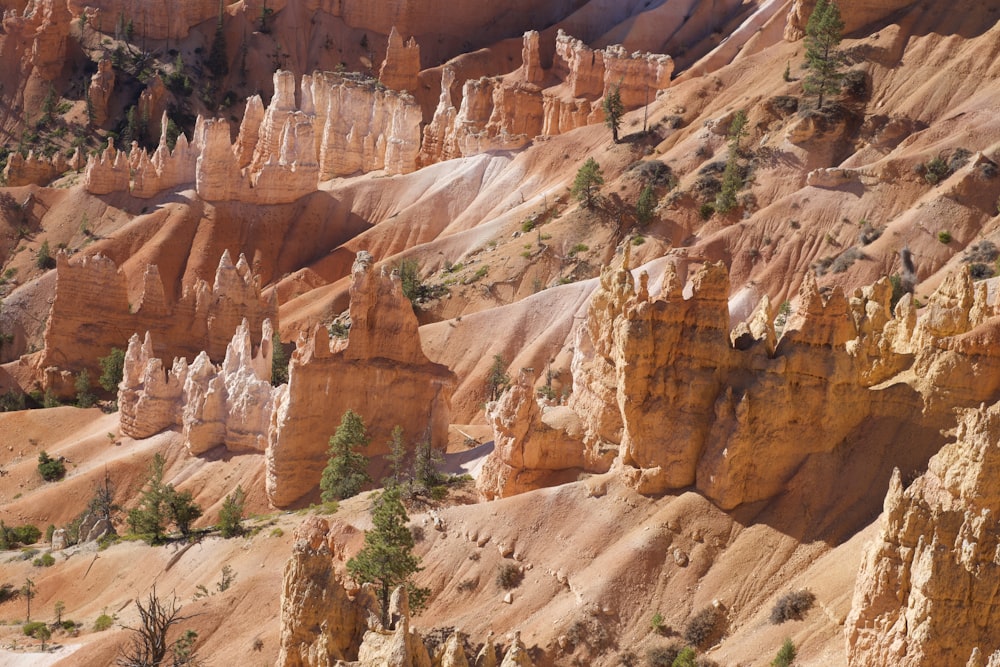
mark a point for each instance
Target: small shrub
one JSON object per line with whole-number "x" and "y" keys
{"x": 103, "y": 622}
{"x": 112, "y": 369}
{"x": 706, "y": 210}
{"x": 277, "y": 532}
{"x": 44, "y": 259}
{"x": 8, "y": 592}
{"x": 231, "y": 514}
{"x": 786, "y": 655}
{"x": 49, "y": 468}
{"x": 32, "y": 627}
{"x": 701, "y": 627}
{"x": 466, "y": 585}
{"x": 980, "y": 271}
{"x": 26, "y": 534}
{"x": 45, "y": 560}
{"x": 984, "y": 251}
{"x": 84, "y": 397}
{"x": 845, "y": 259}
{"x": 936, "y": 171}
{"x": 657, "y": 624}
{"x": 663, "y": 656}
{"x": 869, "y": 233}
{"x": 578, "y": 248}
{"x": 686, "y": 658}
{"x": 944, "y": 236}
{"x": 792, "y": 606}
{"x": 227, "y": 579}
{"x": 509, "y": 576}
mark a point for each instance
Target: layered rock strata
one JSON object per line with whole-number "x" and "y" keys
{"x": 503, "y": 113}
{"x": 926, "y": 592}
{"x": 151, "y": 19}
{"x": 379, "y": 367}
{"x": 661, "y": 383}
{"x": 203, "y": 319}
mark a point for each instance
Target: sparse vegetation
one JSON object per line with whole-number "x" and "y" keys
{"x": 103, "y": 622}
{"x": 646, "y": 205}
{"x": 702, "y": 626}
{"x": 944, "y": 236}
{"x": 497, "y": 380}
{"x": 45, "y": 560}
{"x": 613, "y": 111}
{"x": 786, "y": 655}
{"x": 51, "y": 470}
{"x": 159, "y": 504}
{"x": 823, "y": 35}
{"x": 147, "y": 645}
{"x": 112, "y": 369}
{"x": 43, "y": 258}
{"x": 84, "y": 396}
{"x": 792, "y": 606}
{"x": 346, "y": 473}
{"x": 279, "y": 361}
{"x": 509, "y": 576}
{"x": 387, "y": 558}
{"x": 231, "y": 514}
{"x": 732, "y": 176}
{"x": 936, "y": 170}
{"x": 588, "y": 181}
{"x": 663, "y": 655}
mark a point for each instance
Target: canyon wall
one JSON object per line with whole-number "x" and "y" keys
{"x": 665, "y": 389}
{"x": 855, "y": 13}
{"x": 203, "y": 319}
{"x": 39, "y": 170}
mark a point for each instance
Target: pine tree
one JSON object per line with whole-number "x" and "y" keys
{"x": 347, "y": 470}
{"x": 588, "y": 179}
{"x": 150, "y": 515}
{"x": 387, "y": 558}
{"x": 823, "y": 34}
{"x": 732, "y": 177}
{"x": 396, "y": 457}
{"x": 646, "y": 205}
{"x": 613, "y": 110}
{"x": 231, "y": 514}
{"x": 112, "y": 369}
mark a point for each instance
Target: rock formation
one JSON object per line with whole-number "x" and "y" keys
{"x": 228, "y": 405}
{"x": 102, "y": 84}
{"x": 325, "y": 621}
{"x": 38, "y": 170}
{"x": 380, "y": 366}
{"x": 401, "y": 67}
{"x": 344, "y": 126}
{"x": 233, "y": 404}
{"x": 41, "y": 31}
{"x": 642, "y": 361}
{"x": 504, "y": 113}
{"x": 151, "y": 20}
{"x": 204, "y": 318}
{"x": 320, "y": 621}
{"x": 926, "y": 591}
{"x": 855, "y": 14}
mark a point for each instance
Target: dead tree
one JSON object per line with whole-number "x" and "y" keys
{"x": 147, "y": 646}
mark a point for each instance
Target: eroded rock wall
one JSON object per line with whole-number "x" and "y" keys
{"x": 662, "y": 383}
{"x": 926, "y": 592}
{"x": 205, "y": 317}
{"x": 505, "y": 113}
